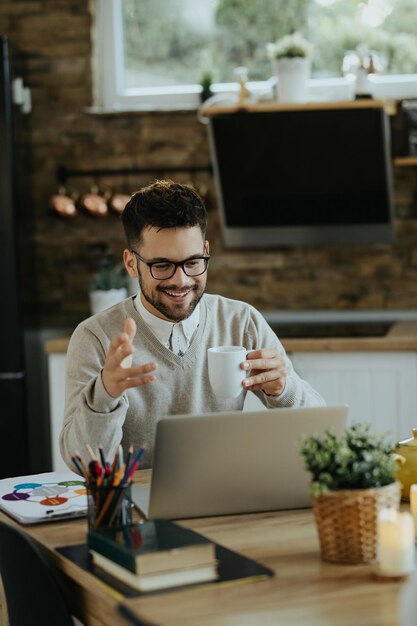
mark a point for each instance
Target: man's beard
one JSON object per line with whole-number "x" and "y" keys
{"x": 170, "y": 312}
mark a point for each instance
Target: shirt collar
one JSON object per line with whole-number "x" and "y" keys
{"x": 162, "y": 329}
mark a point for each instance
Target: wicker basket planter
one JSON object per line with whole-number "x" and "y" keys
{"x": 346, "y": 522}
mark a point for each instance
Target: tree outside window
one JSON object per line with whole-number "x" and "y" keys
{"x": 174, "y": 42}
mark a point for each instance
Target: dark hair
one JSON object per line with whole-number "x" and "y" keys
{"x": 163, "y": 204}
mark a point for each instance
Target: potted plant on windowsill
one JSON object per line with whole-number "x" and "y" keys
{"x": 206, "y": 82}
{"x": 291, "y": 59}
{"x": 353, "y": 478}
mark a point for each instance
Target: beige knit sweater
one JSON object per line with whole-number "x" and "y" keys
{"x": 182, "y": 385}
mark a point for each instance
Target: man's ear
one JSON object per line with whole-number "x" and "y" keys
{"x": 129, "y": 260}
{"x": 206, "y": 247}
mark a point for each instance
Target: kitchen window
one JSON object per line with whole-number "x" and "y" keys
{"x": 154, "y": 53}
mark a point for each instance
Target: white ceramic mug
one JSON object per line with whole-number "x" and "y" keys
{"x": 224, "y": 370}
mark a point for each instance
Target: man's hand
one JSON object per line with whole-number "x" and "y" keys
{"x": 117, "y": 374}
{"x": 267, "y": 372}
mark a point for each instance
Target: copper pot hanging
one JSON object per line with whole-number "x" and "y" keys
{"x": 63, "y": 203}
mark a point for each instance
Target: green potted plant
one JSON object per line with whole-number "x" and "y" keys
{"x": 290, "y": 57}
{"x": 353, "y": 478}
{"x": 206, "y": 82}
{"x": 109, "y": 283}
{"x": 289, "y": 47}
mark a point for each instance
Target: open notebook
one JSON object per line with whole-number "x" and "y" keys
{"x": 234, "y": 462}
{"x": 44, "y": 497}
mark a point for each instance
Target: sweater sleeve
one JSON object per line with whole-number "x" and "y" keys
{"x": 91, "y": 415}
{"x": 297, "y": 392}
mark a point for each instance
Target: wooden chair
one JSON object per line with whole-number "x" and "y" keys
{"x": 31, "y": 590}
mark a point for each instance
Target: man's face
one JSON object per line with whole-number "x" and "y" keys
{"x": 175, "y": 298}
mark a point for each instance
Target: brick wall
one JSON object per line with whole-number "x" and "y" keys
{"x": 52, "y": 42}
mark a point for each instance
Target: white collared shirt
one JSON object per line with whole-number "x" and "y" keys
{"x": 162, "y": 329}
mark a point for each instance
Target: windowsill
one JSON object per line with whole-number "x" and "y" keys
{"x": 398, "y": 87}
{"x": 144, "y": 109}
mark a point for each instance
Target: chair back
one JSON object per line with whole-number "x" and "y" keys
{"x": 30, "y": 584}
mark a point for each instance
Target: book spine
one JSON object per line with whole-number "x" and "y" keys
{"x": 112, "y": 551}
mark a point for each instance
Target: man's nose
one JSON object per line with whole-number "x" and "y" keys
{"x": 180, "y": 275}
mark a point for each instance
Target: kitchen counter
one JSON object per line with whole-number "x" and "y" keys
{"x": 399, "y": 337}
{"x": 375, "y": 373}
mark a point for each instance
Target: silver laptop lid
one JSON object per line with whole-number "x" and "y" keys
{"x": 234, "y": 462}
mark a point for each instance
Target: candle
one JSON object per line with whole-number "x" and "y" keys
{"x": 395, "y": 543}
{"x": 413, "y": 504}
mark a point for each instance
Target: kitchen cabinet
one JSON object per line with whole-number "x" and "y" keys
{"x": 379, "y": 387}
{"x": 56, "y": 376}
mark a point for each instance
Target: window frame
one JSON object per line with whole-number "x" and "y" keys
{"x": 109, "y": 95}
{"x": 108, "y": 69}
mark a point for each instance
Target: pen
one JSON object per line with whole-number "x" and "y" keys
{"x": 129, "y": 455}
{"x": 79, "y": 467}
{"x": 83, "y": 465}
{"x": 136, "y": 459}
{"x": 102, "y": 457}
{"x": 121, "y": 459}
{"x": 90, "y": 452}
{"x": 127, "y": 465}
{"x": 108, "y": 484}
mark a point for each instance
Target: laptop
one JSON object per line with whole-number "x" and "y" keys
{"x": 232, "y": 462}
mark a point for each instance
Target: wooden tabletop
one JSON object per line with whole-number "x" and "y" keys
{"x": 305, "y": 590}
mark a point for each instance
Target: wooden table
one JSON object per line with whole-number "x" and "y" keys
{"x": 305, "y": 590}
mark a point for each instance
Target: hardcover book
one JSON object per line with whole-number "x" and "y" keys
{"x": 231, "y": 566}
{"x": 157, "y": 580}
{"x": 152, "y": 546}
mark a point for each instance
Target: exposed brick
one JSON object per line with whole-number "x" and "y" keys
{"x": 51, "y": 38}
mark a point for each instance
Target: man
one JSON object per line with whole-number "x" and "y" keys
{"x": 147, "y": 356}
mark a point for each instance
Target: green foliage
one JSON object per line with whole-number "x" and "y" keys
{"x": 397, "y": 51}
{"x": 245, "y": 26}
{"x": 289, "y": 46}
{"x": 109, "y": 277}
{"x": 206, "y": 80}
{"x": 359, "y": 459}
{"x": 166, "y": 41}
{"x": 108, "y": 274}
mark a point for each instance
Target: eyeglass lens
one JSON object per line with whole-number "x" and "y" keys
{"x": 192, "y": 267}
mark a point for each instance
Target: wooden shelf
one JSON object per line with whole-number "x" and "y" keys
{"x": 389, "y": 105}
{"x": 407, "y": 161}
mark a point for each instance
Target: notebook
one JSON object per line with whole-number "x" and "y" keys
{"x": 46, "y": 497}
{"x": 233, "y": 462}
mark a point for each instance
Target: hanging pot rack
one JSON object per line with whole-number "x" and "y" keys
{"x": 68, "y": 205}
{"x": 63, "y": 173}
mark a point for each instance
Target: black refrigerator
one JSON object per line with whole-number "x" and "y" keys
{"x": 14, "y": 437}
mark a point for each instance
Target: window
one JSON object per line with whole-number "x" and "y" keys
{"x": 155, "y": 53}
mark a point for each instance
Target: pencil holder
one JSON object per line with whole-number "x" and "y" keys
{"x": 109, "y": 506}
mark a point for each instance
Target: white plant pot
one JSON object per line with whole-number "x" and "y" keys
{"x": 101, "y": 300}
{"x": 292, "y": 75}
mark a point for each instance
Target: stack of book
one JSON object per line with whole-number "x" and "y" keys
{"x": 154, "y": 554}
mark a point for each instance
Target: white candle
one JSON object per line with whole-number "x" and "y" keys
{"x": 395, "y": 543}
{"x": 413, "y": 504}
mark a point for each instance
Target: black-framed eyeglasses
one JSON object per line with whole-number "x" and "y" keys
{"x": 162, "y": 270}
